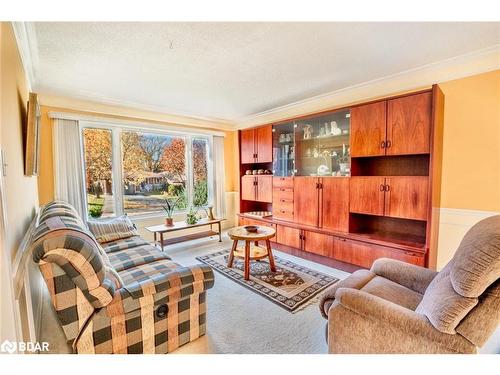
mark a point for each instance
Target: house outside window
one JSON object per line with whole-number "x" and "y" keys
{"x": 129, "y": 171}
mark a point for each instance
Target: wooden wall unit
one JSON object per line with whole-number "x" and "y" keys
{"x": 386, "y": 208}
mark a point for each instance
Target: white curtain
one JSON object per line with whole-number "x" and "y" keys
{"x": 219, "y": 177}
{"x": 68, "y": 165}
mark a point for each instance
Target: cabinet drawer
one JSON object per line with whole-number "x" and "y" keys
{"x": 282, "y": 195}
{"x": 282, "y": 213}
{"x": 364, "y": 254}
{"x": 283, "y": 182}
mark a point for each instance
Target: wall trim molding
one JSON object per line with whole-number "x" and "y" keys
{"x": 452, "y": 213}
{"x": 27, "y": 46}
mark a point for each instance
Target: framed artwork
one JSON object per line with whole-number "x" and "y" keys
{"x": 32, "y": 137}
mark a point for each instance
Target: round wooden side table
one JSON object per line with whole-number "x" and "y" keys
{"x": 249, "y": 252}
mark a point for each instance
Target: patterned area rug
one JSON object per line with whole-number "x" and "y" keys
{"x": 292, "y": 286}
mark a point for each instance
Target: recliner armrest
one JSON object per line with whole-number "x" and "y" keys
{"x": 395, "y": 316}
{"x": 163, "y": 288}
{"x": 413, "y": 277}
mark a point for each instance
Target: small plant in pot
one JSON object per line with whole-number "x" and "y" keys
{"x": 192, "y": 215}
{"x": 169, "y": 207}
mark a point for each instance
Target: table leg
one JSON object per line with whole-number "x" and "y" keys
{"x": 270, "y": 255}
{"x": 231, "y": 254}
{"x": 161, "y": 242}
{"x": 220, "y": 232}
{"x": 154, "y": 237}
{"x": 247, "y": 260}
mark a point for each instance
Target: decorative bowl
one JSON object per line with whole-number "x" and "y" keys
{"x": 251, "y": 228}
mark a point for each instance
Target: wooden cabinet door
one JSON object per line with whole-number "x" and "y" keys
{"x": 335, "y": 203}
{"x": 289, "y": 236}
{"x": 247, "y": 146}
{"x": 368, "y": 127}
{"x": 264, "y": 144}
{"x": 306, "y": 200}
{"x": 407, "y": 197}
{"x": 248, "y": 188}
{"x": 318, "y": 243}
{"x": 409, "y": 124}
{"x": 264, "y": 189}
{"x": 367, "y": 195}
{"x": 364, "y": 254}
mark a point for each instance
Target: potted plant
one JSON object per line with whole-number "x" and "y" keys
{"x": 169, "y": 207}
{"x": 192, "y": 216}
{"x": 343, "y": 159}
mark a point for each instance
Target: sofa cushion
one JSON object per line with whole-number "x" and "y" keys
{"x": 107, "y": 230}
{"x": 393, "y": 292}
{"x": 123, "y": 244}
{"x": 476, "y": 264}
{"x": 147, "y": 271}
{"x": 356, "y": 280}
{"x": 135, "y": 256}
{"x": 442, "y": 305}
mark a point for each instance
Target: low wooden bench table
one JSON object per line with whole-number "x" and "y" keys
{"x": 251, "y": 252}
{"x": 159, "y": 230}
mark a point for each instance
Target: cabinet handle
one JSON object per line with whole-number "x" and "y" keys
{"x": 382, "y": 187}
{"x": 317, "y": 185}
{"x": 282, "y": 211}
{"x": 321, "y": 185}
{"x": 387, "y": 188}
{"x": 388, "y": 144}
{"x": 383, "y": 144}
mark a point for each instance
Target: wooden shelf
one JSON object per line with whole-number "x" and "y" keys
{"x": 188, "y": 237}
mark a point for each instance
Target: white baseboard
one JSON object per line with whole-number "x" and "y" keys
{"x": 453, "y": 224}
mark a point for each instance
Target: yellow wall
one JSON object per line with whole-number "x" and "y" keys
{"x": 471, "y": 144}
{"x": 20, "y": 191}
{"x": 46, "y": 176}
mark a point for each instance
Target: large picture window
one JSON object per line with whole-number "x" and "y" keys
{"x": 150, "y": 165}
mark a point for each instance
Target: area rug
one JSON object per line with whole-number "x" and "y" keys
{"x": 292, "y": 286}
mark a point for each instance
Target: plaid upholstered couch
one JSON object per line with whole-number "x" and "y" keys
{"x": 123, "y": 296}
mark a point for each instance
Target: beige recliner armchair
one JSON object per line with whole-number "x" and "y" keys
{"x": 397, "y": 307}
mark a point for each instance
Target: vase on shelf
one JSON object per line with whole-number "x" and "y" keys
{"x": 344, "y": 167}
{"x": 169, "y": 222}
{"x": 210, "y": 213}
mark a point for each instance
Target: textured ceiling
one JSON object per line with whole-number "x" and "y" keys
{"x": 233, "y": 70}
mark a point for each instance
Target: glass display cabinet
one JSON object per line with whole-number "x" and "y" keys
{"x": 322, "y": 145}
{"x": 283, "y": 149}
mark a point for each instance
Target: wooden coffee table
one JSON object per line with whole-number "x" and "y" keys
{"x": 251, "y": 252}
{"x": 160, "y": 230}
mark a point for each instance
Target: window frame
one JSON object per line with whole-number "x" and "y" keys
{"x": 117, "y": 163}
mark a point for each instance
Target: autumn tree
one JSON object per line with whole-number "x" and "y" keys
{"x": 97, "y": 158}
{"x": 173, "y": 160}
{"x": 134, "y": 164}
{"x": 152, "y": 147}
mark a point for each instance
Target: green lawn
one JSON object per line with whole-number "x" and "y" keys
{"x": 95, "y": 202}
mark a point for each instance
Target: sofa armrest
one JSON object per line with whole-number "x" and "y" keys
{"x": 396, "y": 317}
{"x": 413, "y": 277}
{"x": 162, "y": 288}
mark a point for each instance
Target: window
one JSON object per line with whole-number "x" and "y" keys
{"x": 98, "y": 172}
{"x": 154, "y": 166}
{"x": 151, "y": 166}
{"x": 200, "y": 171}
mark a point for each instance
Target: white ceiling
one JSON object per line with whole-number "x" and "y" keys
{"x": 230, "y": 71}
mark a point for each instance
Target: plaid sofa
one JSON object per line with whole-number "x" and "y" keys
{"x": 124, "y": 296}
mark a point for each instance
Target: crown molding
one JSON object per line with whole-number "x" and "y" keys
{"x": 119, "y": 108}
{"x": 476, "y": 62}
{"x": 25, "y": 35}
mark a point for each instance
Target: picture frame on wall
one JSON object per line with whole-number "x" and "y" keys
{"x": 32, "y": 137}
